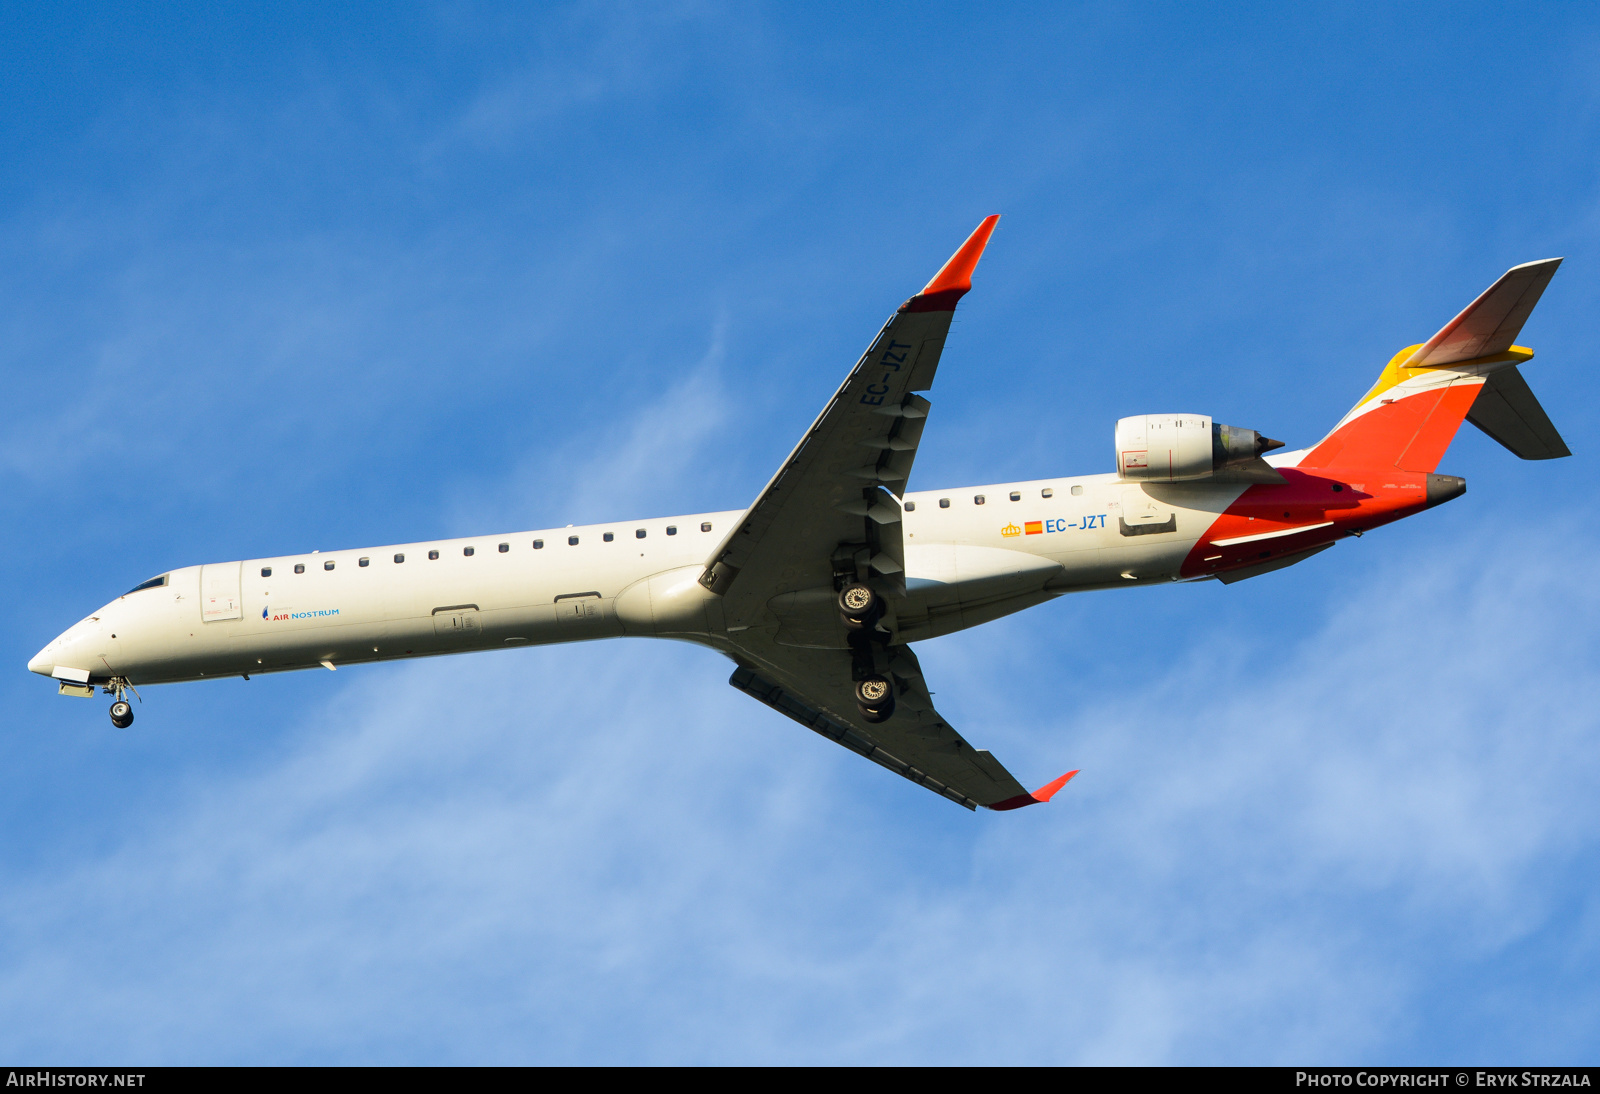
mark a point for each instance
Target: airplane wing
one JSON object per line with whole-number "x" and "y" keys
{"x": 812, "y": 686}
{"x": 830, "y": 494}
{"x": 828, "y": 511}
{"x": 1492, "y": 322}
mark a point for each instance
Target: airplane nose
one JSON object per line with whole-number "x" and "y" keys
{"x": 77, "y": 649}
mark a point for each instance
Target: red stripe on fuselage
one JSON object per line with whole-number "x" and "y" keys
{"x": 1354, "y": 499}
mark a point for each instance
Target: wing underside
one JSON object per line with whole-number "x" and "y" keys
{"x": 831, "y": 516}
{"x": 812, "y": 687}
{"x": 834, "y": 502}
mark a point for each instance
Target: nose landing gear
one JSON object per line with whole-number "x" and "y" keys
{"x": 121, "y": 710}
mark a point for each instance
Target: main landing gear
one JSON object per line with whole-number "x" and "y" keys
{"x": 875, "y": 698}
{"x": 121, "y": 710}
{"x": 860, "y": 608}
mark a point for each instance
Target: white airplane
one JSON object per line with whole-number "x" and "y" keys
{"x": 818, "y": 589}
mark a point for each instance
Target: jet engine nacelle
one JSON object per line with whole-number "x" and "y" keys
{"x": 1174, "y": 447}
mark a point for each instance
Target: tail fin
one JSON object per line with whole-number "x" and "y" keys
{"x": 1468, "y": 371}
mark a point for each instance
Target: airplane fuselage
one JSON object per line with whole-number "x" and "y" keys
{"x": 972, "y": 555}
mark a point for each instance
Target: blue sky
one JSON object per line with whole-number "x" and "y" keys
{"x": 282, "y": 279}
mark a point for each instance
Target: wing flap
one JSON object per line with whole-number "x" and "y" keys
{"x": 1508, "y": 411}
{"x": 1491, "y": 323}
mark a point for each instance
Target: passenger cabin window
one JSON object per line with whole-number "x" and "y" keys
{"x": 608, "y": 537}
{"x": 638, "y": 533}
{"x": 978, "y": 499}
{"x": 538, "y": 545}
{"x": 672, "y": 529}
{"x": 432, "y": 555}
{"x": 1047, "y": 493}
{"x": 911, "y": 506}
{"x": 572, "y": 541}
{"x": 299, "y": 567}
{"x": 944, "y": 503}
{"x": 706, "y": 527}
{"x": 363, "y": 561}
{"x": 469, "y": 551}
{"x": 1076, "y": 490}
{"x": 266, "y": 571}
{"x": 504, "y": 547}
{"x": 153, "y": 583}
{"x": 1016, "y": 495}
{"x": 328, "y": 565}
{"x": 399, "y": 558}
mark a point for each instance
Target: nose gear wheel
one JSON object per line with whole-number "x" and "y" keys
{"x": 121, "y": 710}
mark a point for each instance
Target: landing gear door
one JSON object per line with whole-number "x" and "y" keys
{"x": 219, "y": 592}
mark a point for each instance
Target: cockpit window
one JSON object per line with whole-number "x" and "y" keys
{"x": 153, "y": 583}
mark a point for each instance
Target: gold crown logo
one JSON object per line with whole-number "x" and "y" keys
{"x": 1011, "y": 530}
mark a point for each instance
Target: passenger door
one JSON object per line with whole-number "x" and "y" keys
{"x": 219, "y": 592}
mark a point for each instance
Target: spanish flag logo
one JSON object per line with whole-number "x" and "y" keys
{"x": 1035, "y": 527}
{"x": 1011, "y": 530}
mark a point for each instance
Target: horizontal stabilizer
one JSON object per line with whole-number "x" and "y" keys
{"x": 1491, "y": 323}
{"x": 1508, "y": 411}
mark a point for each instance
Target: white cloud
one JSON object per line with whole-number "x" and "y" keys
{"x": 617, "y": 470}
{"x": 596, "y": 56}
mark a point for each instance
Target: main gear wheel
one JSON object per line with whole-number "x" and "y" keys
{"x": 875, "y": 698}
{"x": 859, "y": 606}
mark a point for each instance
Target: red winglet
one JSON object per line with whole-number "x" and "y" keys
{"x": 954, "y": 279}
{"x": 1038, "y": 797}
